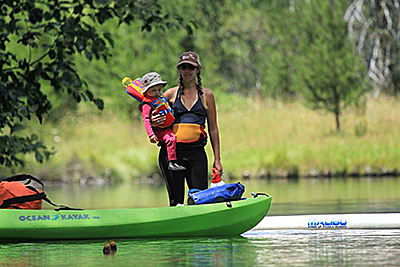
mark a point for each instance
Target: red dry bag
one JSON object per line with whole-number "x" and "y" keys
{"x": 16, "y": 195}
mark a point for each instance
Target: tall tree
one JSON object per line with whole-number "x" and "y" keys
{"x": 256, "y": 55}
{"x": 37, "y": 42}
{"x": 331, "y": 71}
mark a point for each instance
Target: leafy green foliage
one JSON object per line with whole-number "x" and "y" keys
{"x": 38, "y": 42}
{"x": 56, "y": 54}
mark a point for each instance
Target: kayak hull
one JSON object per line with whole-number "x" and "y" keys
{"x": 185, "y": 221}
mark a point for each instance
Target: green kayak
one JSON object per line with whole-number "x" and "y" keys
{"x": 185, "y": 221}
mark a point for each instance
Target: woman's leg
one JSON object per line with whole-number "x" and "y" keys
{"x": 174, "y": 181}
{"x": 196, "y": 164}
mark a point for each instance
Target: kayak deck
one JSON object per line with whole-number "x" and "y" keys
{"x": 184, "y": 221}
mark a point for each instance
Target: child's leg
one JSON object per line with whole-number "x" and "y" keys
{"x": 169, "y": 139}
{"x": 170, "y": 142}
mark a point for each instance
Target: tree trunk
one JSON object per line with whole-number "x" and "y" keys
{"x": 258, "y": 89}
{"x": 337, "y": 108}
{"x": 337, "y": 117}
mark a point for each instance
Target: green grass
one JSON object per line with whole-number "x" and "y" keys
{"x": 275, "y": 138}
{"x": 269, "y": 138}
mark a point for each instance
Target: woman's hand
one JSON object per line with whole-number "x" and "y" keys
{"x": 218, "y": 166}
{"x": 157, "y": 119}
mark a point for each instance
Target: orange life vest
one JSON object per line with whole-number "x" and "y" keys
{"x": 161, "y": 106}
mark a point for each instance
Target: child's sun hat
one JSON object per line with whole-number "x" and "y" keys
{"x": 151, "y": 79}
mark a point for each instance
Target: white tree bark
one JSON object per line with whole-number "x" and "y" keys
{"x": 371, "y": 26}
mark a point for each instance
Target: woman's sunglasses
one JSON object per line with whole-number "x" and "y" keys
{"x": 187, "y": 67}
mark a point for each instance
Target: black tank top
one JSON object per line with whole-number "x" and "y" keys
{"x": 197, "y": 114}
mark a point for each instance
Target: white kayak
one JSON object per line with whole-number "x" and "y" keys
{"x": 331, "y": 221}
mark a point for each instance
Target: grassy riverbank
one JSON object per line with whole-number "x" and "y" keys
{"x": 270, "y": 139}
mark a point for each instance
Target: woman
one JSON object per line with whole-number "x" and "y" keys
{"x": 193, "y": 105}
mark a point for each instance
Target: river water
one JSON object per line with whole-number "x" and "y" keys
{"x": 253, "y": 248}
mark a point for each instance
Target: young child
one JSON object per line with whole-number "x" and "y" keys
{"x": 153, "y": 100}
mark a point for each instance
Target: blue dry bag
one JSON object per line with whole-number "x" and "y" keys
{"x": 217, "y": 194}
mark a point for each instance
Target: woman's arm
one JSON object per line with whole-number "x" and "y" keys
{"x": 170, "y": 94}
{"x": 213, "y": 128}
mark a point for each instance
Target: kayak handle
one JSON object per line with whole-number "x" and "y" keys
{"x": 259, "y": 194}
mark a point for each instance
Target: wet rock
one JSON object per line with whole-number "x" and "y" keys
{"x": 246, "y": 175}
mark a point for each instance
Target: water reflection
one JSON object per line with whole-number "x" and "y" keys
{"x": 254, "y": 248}
{"x": 328, "y": 247}
{"x": 145, "y": 252}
